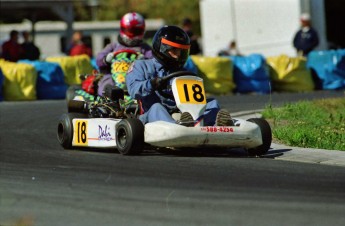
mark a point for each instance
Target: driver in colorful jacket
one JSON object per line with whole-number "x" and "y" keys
{"x": 132, "y": 29}
{"x": 170, "y": 50}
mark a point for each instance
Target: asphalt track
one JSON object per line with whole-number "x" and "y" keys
{"x": 42, "y": 184}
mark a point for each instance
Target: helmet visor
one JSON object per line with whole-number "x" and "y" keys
{"x": 133, "y": 31}
{"x": 176, "y": 51}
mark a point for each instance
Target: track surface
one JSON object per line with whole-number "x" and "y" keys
{"x": 42, "y": 184}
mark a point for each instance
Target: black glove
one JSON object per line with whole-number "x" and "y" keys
{"x": 158, "y": 83}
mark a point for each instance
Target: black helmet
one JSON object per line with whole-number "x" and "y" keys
{"x": 171, "y": 46}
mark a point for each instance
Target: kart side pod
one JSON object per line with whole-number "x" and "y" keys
{"x": 77, "y": 130}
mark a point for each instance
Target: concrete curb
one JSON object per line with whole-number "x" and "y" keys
{"x": 247, "y": 114}
{"x": 310, "y": 155}
{"x": 297, "y": 154}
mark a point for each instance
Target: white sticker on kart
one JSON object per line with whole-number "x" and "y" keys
{"x": 94, "y": 132}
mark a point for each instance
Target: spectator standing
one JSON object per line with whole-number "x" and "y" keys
{"x": 231, "y": 50}
{"x": 11, "y": 49}
{"x": 78, "y": 46}
{"x": 306, "y": 39}
{"x": 30, "y": 50}
{"x": 187, "y": 26}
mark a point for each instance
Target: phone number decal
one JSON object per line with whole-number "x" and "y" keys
{"x": 211, "y": 129}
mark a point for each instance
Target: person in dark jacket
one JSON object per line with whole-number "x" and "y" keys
{"x": 187, "y": 26}
{"x": 306, "y": 39}
{"x": 30, "y": 50}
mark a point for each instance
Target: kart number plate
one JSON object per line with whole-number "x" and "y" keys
{"x": 121, "y": 66}
{"x": 191, "y": 91}
{"x": 80, "y": 133}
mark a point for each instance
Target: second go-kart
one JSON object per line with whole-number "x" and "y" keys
{"x": 87, "y": 91}
{"x": 108, "y": 125}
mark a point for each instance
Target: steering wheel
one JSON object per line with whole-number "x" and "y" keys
{"x": 130, "y": 51}
{"x": 167, "y": 78}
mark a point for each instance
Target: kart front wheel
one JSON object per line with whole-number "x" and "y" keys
{"x": 65, "y": 129}
{"x": 130, "y": 136}
{"x": 266, "y": 135}
{"x": 70, "y": 93}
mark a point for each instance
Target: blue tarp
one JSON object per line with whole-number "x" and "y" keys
{"x": 94, "y": 64}
{"x": 190, "y": 66}
{"x": 50, "y": 80}
{"x": 251, "y": 74}
{"x": 1, "y": 85}
{"x": 329, "y": 67}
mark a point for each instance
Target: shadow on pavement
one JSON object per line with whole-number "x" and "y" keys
{"x": 199, "y": 152}
{"x": 191, "y": 152}
{"x": 276, "y": 153}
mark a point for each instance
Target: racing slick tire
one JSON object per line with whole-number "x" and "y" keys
{"x": 266, "y": 134}
{"x": 70, "y": 93}
{"x": 130, "y": 136}
{"x": 65, "y": 129}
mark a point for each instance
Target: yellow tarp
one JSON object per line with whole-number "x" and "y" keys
{"x": 73, "y": 66}
{"x": 290, "y": 74}
{"x": 19, "y": 81}
{"x": 216, "y": 72}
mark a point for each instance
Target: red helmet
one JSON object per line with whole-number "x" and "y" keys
{"x": 132, "y": 28}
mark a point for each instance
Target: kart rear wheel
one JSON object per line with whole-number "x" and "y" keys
{"x": 130, "y": 136}
{"x": 266, "y": 134}
{"x": 65, "y": 129}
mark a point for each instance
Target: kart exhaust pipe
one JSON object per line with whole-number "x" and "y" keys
{"x": 77, "y": 106}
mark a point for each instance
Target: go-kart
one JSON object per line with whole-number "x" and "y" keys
{"x": 89, "y": 82}
{"x": 107, "y": 125}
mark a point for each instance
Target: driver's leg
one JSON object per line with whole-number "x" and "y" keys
{"x": 210, "y": 114}
{"x": 213, "y": 115}
{"x": 157, "y": 112}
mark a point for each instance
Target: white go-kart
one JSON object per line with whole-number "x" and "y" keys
{"x": 108, "y": 125}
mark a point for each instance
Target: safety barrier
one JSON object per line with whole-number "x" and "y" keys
{"x": 1, "y": 85}
{"x": 73, "y": 66}
{"x": 251, "y": 74}
{"x": 290, "y": 74}
{"x": 328, "y": 68}
{"x": 19, "y": 81}
{"x": 216, "y": 72}
{"x": 49, "y": 79}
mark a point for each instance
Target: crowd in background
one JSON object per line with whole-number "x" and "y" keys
{"x": 305, "y": 40}
{"x": 13, "y": 51}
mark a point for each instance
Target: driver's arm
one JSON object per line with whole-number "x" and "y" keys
{"x": 103, "y": 66}
{"x": 138, "y": 79}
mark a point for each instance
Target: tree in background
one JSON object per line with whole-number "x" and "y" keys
{"x": 173, "y": 12}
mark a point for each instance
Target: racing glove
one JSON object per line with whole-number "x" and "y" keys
{"x": 158, "y": 83}
{"x": 109, "y": 58}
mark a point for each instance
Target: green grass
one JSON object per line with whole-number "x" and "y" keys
{"x": 312, "y": 124}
